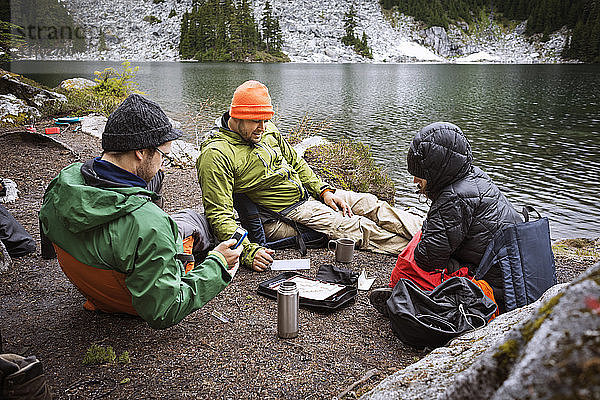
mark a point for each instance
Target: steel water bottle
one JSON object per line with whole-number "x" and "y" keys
{"x": 287, "y": 310}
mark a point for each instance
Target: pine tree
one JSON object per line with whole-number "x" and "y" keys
{"x": 184, "y": 42}
{"x": 102, "y": 42}
{"x": 277, "y": 42}
{"x": 267, "y": 25}
{"x": 350, "y": 39}
{"x": 8, "y": 40}
{"x": 595, "y": 39}
{"x": 349, "y": 25}
{"x": 365, "y": 50}
{"x": 236, "y": 43}
{"x": 250, "y": 36}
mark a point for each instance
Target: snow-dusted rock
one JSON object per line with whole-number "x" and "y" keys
{"x": 308, "y": 143}
{"x": 34, "y": 96}
{"x": 5, "y": 260}
{"x": 175, "y": 124}
{"x": 77, "y": 84}
{"x": 481, "y": 56}
{"x": 520, "y": 29}
{"x": 311, "y": 32}
{"x": 437, "y": 39}
{"x": 184, "y": 153}
{"x": 551, "y": 355}
{"x": 12, "y": 193}
{"x": 21, "y": 102}
{"x": 432, "y": 375}
{"x": 545, "y": 350}
{"x": 127, "y": 36}
{"x": 93, "y": 125}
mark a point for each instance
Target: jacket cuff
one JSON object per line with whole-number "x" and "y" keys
{"x": 247, "y": 257}
{"x": 327, "y": 189}
{"x": 221, "y": 258}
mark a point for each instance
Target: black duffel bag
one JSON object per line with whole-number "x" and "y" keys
{"x": 430, "y": 319}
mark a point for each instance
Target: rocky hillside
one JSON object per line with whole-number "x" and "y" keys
{"x": 140, "y": 30}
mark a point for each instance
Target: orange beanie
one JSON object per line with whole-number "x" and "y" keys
{"x": 251, "y": 100}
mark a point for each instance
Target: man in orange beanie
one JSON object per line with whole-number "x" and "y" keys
{"x": 246, "y": 154}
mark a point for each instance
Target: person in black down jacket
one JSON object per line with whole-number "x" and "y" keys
{"x": 467, "y": 208}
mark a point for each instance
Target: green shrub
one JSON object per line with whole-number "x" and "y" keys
{"x": 172, "y": 13}
{"x": 114, "y": 83}
{"x": 270, "y": 57}
{"x": 350, "y": 165}
{"x": 83, "y": 102}
{"x": 97, "y": 354}
{"x": 113, "y": 86}
{"x": 344, "y": 164}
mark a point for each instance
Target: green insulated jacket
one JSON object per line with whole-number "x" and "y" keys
{"x": 270, "y": 173}
{"x": 121, "y": 229}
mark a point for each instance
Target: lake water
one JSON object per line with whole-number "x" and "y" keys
{"x": 535, "y": 129}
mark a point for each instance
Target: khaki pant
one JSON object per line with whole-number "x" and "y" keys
{"x": 375, "y": 226}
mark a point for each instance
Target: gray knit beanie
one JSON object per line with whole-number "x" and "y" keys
{"x": 138, "y": 123}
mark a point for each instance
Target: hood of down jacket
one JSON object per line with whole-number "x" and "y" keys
{"x": 441, "y": 154}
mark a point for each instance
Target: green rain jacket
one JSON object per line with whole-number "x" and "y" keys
{"x": 121, "y": 229}
{"x": 270, "y": 173}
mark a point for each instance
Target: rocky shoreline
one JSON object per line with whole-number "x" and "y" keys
{"x": 311, "y": 32}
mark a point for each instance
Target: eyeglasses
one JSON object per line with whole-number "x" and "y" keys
{"x": 166, "y": 159}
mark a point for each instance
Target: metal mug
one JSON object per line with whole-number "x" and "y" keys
{"x": 343, "y": 249}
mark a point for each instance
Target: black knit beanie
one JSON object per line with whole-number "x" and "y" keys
{"x": 138, "y": 123}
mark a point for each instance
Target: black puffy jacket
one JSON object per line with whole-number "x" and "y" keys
{"x": 467, "y": 207}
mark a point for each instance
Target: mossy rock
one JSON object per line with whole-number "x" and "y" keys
{"x": 531, "y": 327}
{"x": 507, "y": 354}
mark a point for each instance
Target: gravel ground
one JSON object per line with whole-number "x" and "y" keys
{"x": 202, "y": 357}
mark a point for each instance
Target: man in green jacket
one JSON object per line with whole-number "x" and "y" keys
{"x": 120, "y": 249}
{"x": 246, "y": 154}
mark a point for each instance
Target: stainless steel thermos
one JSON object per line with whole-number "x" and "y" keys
{"x": 287, "y": 310}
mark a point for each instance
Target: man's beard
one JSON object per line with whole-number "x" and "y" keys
{"x": 145, "y": 170}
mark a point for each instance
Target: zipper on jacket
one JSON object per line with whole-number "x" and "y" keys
{"x": 289, "y": 178}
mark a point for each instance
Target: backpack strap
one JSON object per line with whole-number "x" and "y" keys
{"x": 529, "y": 209}
{"x": 280, "y": 216}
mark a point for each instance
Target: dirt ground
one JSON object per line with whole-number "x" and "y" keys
{"x": 41, "y": 313}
